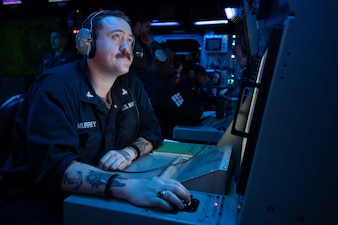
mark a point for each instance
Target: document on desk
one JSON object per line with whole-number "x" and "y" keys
{"x": 183, "y": 148}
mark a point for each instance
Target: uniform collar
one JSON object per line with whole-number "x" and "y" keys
{"x": 120, "y": 90}
{"x": 87, "y": 91}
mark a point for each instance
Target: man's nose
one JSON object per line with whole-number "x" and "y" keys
{"x": 125, "y": 45}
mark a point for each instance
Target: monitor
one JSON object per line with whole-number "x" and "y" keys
{"x": 213, "y": 44}
{"x": 216, "y": 43}
{"x": 11, "y": 2}
{"x": 260, "y": 88}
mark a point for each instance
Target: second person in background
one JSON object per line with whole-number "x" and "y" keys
{"x": 171, "y": 108}
{"x": 60, "y": 54}
{"x": 192, "y": 86}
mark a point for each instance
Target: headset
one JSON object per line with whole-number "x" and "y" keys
{"x": 85, "y": 38}
{"x": 85, "y": 43}
{"x": 158, "y": 52}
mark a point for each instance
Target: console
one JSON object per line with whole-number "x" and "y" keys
{"x": 211, "y": 209}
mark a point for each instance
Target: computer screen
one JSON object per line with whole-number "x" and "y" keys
{"x": 11, "y": 2}
{"x": 260, "y": 90}
{"x": 58, "y": 0}
{"x": 213, "y": 44}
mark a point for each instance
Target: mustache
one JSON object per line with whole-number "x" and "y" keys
{"x": 125, "y": 54}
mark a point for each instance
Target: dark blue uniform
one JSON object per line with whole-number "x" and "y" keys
{"x": 170, "y": 107}
{"x": 51, "y": 60}
{"x": 62, "y": 119}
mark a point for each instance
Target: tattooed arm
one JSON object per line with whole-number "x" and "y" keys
{"x": 144, "y": 146}
{"x": 83, "y": 178}
{"x": 86, "y": 179}
{"x": 121, "y": 159}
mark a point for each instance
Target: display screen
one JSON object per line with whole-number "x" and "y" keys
{"x": 213, "y": 44}
{"x": 256, "y": 109}
{"x": 58, "y": 0}
{"x": 11, "y": 2}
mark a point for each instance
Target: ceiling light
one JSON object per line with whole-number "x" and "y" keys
{"x": 210, "y": 22}
{"x": 164, "y": 24}
{"x": 230, "y": 12}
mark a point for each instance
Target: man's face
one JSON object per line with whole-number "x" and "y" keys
{"x": 145, "y": 28}
{"x": 56, "y": 41}
{"x": 114, "y": 41}
{"x": 201, "y": 78}
{"x": 215, "y": 78}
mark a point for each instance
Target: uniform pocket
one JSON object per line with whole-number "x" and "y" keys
{"x": 128, "y": 123}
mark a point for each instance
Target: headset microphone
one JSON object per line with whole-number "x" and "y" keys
{"x": 138, "y": 51}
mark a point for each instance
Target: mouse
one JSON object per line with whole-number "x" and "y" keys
{"x": 188, "y": 206}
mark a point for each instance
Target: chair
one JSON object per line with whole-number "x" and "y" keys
{"x": 7, "y": 114}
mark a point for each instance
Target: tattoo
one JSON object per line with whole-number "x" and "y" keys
{"x": 73, "y": 181}
{"x": 142, "y": 145}
{"x": 97, "y": 179}
{"x": 125, "y": 155}
{"x": 113, "y": 182}
{"x": 118, "y": 182}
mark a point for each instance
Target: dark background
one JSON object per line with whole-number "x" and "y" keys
{"x": 25, "y": 28}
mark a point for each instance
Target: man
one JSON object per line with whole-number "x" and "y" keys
{"x": 60, "y": 54}
{"x": 141, "y": 28}
{"x": 79, "y": 122}
{"x": 192, "y": 86}
{"x": 170, "y": 107}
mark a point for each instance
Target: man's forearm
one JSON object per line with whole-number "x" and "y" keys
{"x": 143, "y": 146}
{"x": 87, "y": 179}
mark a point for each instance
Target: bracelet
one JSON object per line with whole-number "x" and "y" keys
{"x": 137, "y": 149}
{"x": 107, "y": 189}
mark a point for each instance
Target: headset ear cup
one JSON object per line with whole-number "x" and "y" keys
{"x": 158, "y": 52}
{"x": 83, "y": 41}
{"x": 160, "y": 55}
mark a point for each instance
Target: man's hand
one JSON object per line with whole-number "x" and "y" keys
{"x": 121, "y": 159}
{"x": 117, "y": 159}
{"x": 159, "y": 192}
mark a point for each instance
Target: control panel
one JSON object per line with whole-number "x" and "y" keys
{"x": 207, "y": 208}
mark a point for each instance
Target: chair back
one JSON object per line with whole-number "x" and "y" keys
{"x": 7, "y": 114}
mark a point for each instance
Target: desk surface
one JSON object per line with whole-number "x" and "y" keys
{"x": 210, "y": 130}
{"x": 183, "y": 148}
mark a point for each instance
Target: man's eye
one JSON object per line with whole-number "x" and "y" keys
{"x": 116, "y": 36}
{"x": 130, "y": 41}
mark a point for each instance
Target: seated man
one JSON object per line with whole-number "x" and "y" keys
{"x": 192, "y": 86}
{"x": 78, "y": 123}
{"x": 170, "y": 107}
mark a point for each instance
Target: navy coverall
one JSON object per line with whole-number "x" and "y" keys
{"x": 62, "y": 119}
